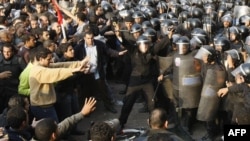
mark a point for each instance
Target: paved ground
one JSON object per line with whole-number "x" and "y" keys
{"x": 136, "y": 120}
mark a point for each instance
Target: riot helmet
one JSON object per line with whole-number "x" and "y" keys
{"x": 196, "y": 42}
{"x": 107, "y": 7}
{"x": 150, "y": 12}
{"x": 151, "y": 34}
{"x": 166, "y": 26}
{"x": 171, "y": 15}
{"x": 161, "y": 7}
{"x": 207, "y": 54}
{"x": 209, "y": 7}
{"x": 146, "y": 3}
{"x": 244, "y": 20}
{"x": 194, "y": 23}
{"x": 155, "y": 23}
{"x": 183, "y": 45}
{"x": 143, "y": 44}
{"x": 222, "y": 44}
{"x": 137, "y": 14}
{"x": 244, "y": 32}
{"x": 163, "y": 17}
{"x": 136, "y": 28}
{"x": 196, "y": 13}
{"x": 242, "y": 70}
{"x": 145, "y": 25}
{"x": 183, "y": 16}
{"x": 234, "y": 33}
{"x": 199, "y": 32}
{"x": 234, "y": 54}
{"x": 227, "y": 20}
{"x": 221, "y": 11}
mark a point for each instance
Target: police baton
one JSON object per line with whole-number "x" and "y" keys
{"x": 156, "y": 89}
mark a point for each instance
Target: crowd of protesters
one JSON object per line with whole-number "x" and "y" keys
{"x": 55, "y": 56}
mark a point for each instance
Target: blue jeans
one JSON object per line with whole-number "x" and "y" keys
{"x": 41, "y": 112}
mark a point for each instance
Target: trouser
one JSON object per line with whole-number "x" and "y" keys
{"x": 40, "y": 112}
{"x": 91, "y": 87}
{"x": 131, "y": 97}
{"x": 66, "y": 105}
{"x": 5, "y": 95}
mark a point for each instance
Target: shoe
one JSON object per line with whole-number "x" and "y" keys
{"x": 111, "y": 109}
{"x": 143, "y": 110}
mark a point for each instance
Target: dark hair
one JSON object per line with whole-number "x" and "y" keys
{"x": 158, "y": 117}
{"x": 81, "y": 16}
{"x": 101, "y": 131}
{"x": 47, "y": 43}
{"x": 15, "y": 117}
{"x": 16, "y": 100}
{"x": 27, "y": 37}
{"x": 32, "y": 54}
{"x": 44, "y": 129}
{"x": 42, "y": 52}
{"x": 64, "y": 47}
{"x": 160, "y": 137}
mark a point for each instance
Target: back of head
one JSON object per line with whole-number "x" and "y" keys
{"x": 16, "y": 116}
{"x": 44, "y": 129}
{"x": 101, "y": 131}
{"x": 158, "y": 118}
{"x": 16, "y": 100}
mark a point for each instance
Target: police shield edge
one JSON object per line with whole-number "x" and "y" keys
{"x": 209, "y": 102}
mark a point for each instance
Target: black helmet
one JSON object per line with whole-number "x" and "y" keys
{"x": 244, "y": 31}
{"x": 150, "y": 12}
{"x": 163, "y": 16}
{"x": 146, "y": 24}
{"x": 183, "y": 42}
{"x": 107, "y": 8}
{"x": 221, "y": 11}
{"x": 142, "y": 39}
{"x": 146, "y": 3}
{"x": 150, "y": 33}
{"x": 137, "y": 14}
{"x": 243, "y": 19}
{"x": 243, "y": 70}
{"x": 136, "y": 28}
{"x": 183, "y": 16}
{"x": 234, "y": 30}
{"x": 222, "y": 42}
{"x": 227, "y": 18}
{"x": 166, "y": 26}
{"x": 209, "y": 7}
{"x": 199, "y": 32}
{"x": 194, "y": 23}
{"x": 156, "y": 23}
{"x": 197, "y": 41}
{"x": 196, "y": 13}
{"x": 209, "y": 26}
{"x": 171, "y": 15}
{"x": 162, "y": 5}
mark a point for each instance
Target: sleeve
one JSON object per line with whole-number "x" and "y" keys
{"x": 23, "y": 87}
{"x": 51, "y": 75}
{"x": 68, "y": 122}
{"x": 72, "y": 64}
{"x": 239, "y": 89}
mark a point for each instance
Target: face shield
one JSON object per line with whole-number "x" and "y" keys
{"x": 165, "y": 29}
{"x": 195, "y": 43}
{"x": 182, "y": 48}
{"x": 238, "y": 71}
{"x": 143, "y": 47}
{"x": 233, "y": 53}
{"x": 202, "y": 52}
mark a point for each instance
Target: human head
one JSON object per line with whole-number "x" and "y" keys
{"x": 158, "y": 119}
{"x": 207, "y": 54}
{"x": 67, "y": 50}
{"x": 29, "y": 40}
{"x": 143, "y": 44}
{"x": 43, "y": 56}
{"x": 17, "y": 118}
{"x": 101, "y": 131}
{"x": 8, "y": 51}
{"x": 55, "y": 26}
{"x": 49, "y": 44}
{"x": 46, "y": 130}
{"x": 40, "y": 7}
{"x": 89, "y": 38}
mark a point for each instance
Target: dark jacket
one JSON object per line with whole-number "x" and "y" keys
{"x": 102, "y": 52}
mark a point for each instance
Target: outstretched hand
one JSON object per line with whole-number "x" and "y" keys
{"x": 89, "y": 106}
{"x": 222, "y": 92}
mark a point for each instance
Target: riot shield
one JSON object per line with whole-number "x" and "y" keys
{"x": 164, "y": 63}
{"x": 188, "y": 81}
{"x": 209, "y": 102}
{"x": 240, "y": 11}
